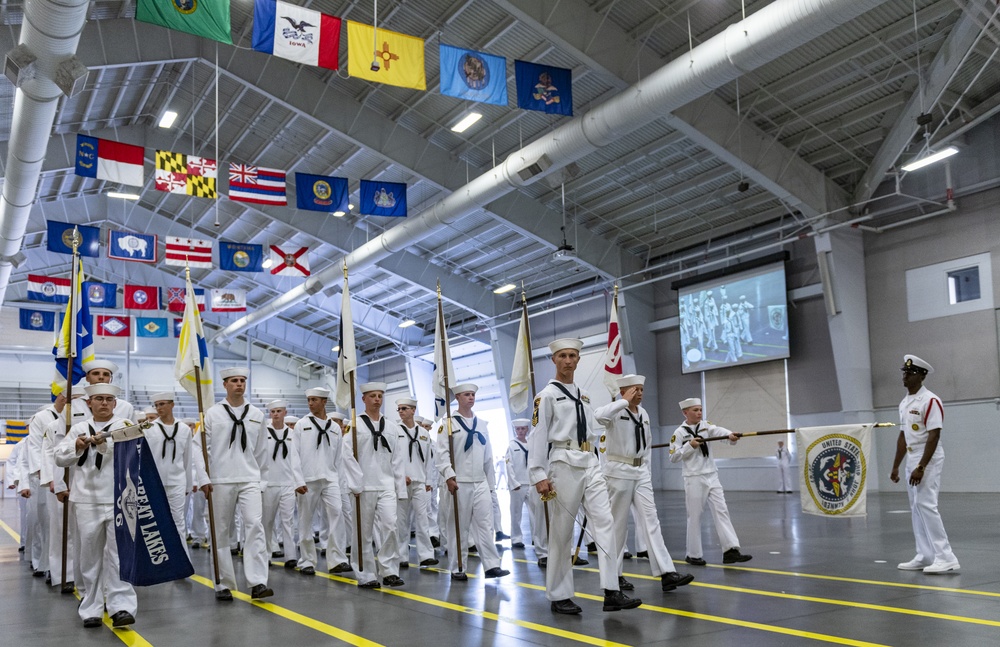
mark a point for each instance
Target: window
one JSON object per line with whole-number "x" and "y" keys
{"x": 963, "y": 285}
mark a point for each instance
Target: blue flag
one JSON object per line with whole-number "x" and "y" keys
{"x": 131, "y": 246}
{"x": 74, "y": 344}
{"x": 472, "y": 75}
{"x": 238, "y": 257}
{"x": 544, "y": 88}
{"x": 37, "y": 320}
{"x": 60, "y": 238}
{"x": 150, "y": 327}
{"x": 149, "y": 547}
{"x": 101, "y": 295}
{"x": 383, "y": 198}
{"x": 320, "y": 193}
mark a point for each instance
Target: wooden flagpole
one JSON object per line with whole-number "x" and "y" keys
{"x": 71, "y": 352}
{"x": 447, "y": 407}
{"x": 354, "y": 446}
{"x": 531, "y": 375}
{"x": 770, "y": 432}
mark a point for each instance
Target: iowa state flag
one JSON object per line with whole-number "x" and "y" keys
{"x": 296, "y": 33}
{"x": 207, "y": 18}
{"x": 544, "y": 88}
{"x": 400, "y": 57}
{"x": 472, "y": 75}
{"x": 103, "y": 159}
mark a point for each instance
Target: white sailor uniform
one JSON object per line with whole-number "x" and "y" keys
{"x": 284, "y": 475}
{"x": 180, "y": 465}
{"x": 522, "y": 492}
{"x": 415, "y": 444}
{"x": 320, "y": 446}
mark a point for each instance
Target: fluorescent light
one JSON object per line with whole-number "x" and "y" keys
{"x": 336, "y": 349}
{"x": 466, "y": 122}
{"x": 930, "y": 159}
{"x": 123, "y": 196}
{"x": 338, "y": 214}
{"x": 407, "y": 323}
{"x": 168, "y": 118}
{"x": 350, "y": 206}
{"x": 503, "y": 289}
{"x": 268, "y": 262}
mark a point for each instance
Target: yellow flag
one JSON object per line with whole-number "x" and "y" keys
{"x": 400, "y": 57}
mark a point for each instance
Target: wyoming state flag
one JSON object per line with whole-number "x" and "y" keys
{"x": 208, "y": 18}
{"x": 186, "y": 174}
{"x": 400, "y": 57}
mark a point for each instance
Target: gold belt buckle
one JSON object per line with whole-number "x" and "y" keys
{"x": 585, "y": 446}
{"x": 636, "y": 462}
{"x": 909, "y": 449}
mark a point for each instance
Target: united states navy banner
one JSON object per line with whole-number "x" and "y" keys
{"x": 149, "y": 547}
{"x": 835, "y": 469}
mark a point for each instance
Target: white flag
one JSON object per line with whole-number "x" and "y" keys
{"x": 347, "y": 357}
{"x": 613, "y": 355}
{"x": 835, "y": 469}
{"x": 442, "y": 365}
{"x": 520, "y": 375}
{"x": 192, "y": 351}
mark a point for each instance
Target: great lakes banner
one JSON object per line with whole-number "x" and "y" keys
{"x": 835, "y": 469}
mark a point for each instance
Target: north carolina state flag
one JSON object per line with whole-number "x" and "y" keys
{"x": 142, "y": 297}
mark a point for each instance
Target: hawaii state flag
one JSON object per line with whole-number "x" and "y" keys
{"x": 104, "y": 159}
{"x": 114, "y": 325}
{"x": 289, "y": 263}
{"x": 257, "y": 185}
{"x": 296, "y": 33}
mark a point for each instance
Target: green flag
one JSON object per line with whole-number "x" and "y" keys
{"x": 208, "y": 18}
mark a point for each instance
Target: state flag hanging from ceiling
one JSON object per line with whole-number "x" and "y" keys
{"x": 38, "y": 320}
{"x": 185, "y": 174}
{"x": 196, "y": 252}
{"x": 472, "y": 75}
{"x": 241, "y": 257}
{"x": 383, "y": 198}
{"x": 61, "y": 235}
{"x": 400, "y": 57}
{"x": 178, "y": 324}
{"x": 229, "y": 300}
{"x": 101, "y": 295}
{"x": 50, "y": 289}
{"x": 142, "y": 297}
{"x": 103, "y": 159}
{"x": 544, "y": 88}
{"x": 150, "y": 327}
{"x": 113, "y": 325}
{"x": 206, "y": 18}
{"x": 296, "y": 33}
{"x": 175, "y": 299}
{"x": 131, "y": 246}
{"x": 288, "y": 262}
{"x": 320, "y": 193}
{"x": 257, "y": 185}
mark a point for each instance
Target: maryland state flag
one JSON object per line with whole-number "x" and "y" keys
{"x": 208, "y": 18}
{"x": 186, "y": 174}
{"x": 400, "y": 57}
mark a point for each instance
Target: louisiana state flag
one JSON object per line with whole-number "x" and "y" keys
{"x": 400, "y": 57}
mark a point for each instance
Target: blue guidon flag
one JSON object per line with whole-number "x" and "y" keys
{"x": 150, "y": 550}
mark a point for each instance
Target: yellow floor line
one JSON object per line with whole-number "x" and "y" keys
{"x": 298, "y": 618}
{"x": 10, "y": 531}
{"x": 127, "y": 635}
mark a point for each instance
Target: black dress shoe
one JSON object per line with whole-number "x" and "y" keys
{"x": 618, "y": 601}
{"x": 20, "y": 549}
{"x": 566, "y": 607}
{"x": 435, "y": 542}
{"x": 460, "y": 577}
{"x": 292, "y": 563}
{"x": 369, "y": 585}
{"x": 38, "y": 574}
{"x": 234, "y": 551}
{"x": 48, "y": 580}
{"x": 195, "y": 545}
{"x": 592, "y": 547}
{"x": 501, "y": 535}
{"x": 734, "y": 556}
{"x": 308, "y": 570}
{"x": 225, "y": 595}
{"x": 517, "y": 544}
{"x": 393, "y": 580}
{"x": 695, "y": 561}
{"x": 322, "y": 552}
{"x": 496, "y": 571}
{"x": 430, "y": 562}
{"x": 404, "y": 565}
{"x": 260, "y": 591}
{"x": 91, "y": 623}
{"x": 69, "y": 588}
{"x": 413, "y": 534}
{"x": 278, "y": 553}
{"x": 342, "y": 567}
{"x": 348, "y": 550}
{"x": 627, "y": 555}
{"x": 643, "y": 553}
{"x": 581, "y": 562}
{"x": 281, "y": 544}
{"x": 670, "y": 581}
{"x": 473, "y": 549}
{"x": 122, "y": 619}
{"x": 624, "y": 584}
{"x": 543, "y": 562}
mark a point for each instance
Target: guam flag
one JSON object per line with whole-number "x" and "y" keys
{"x": 150, "y": 551}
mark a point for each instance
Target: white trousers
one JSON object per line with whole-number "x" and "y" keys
{"x": 99, "y": 563}
{"x": 576, "y": 485}
{"x": 698, "y": 490}
{"x": 54, "y": 512}
{"x": 247, "y": 497}
{"x": 279, "y": 502}
{"x": 475, "y": 519}
{"x": 22, "y": 509}
{"x": 36, "y": 532}
{"x": 432, "y": 514}
{"x": 378, "y": 523}
{"x": 414, "y": 507}
{"x": 199, "y": 516}
{"x": 177, "y": 498}
{"x": 784, "y": 478}
{"x": 526, "y": 494}
{"x": 324, "y": 496}
{"x": 637, "y": 495}
{"x": 928, "y": 529}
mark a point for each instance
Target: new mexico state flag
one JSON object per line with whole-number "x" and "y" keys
{"x": 400, "y": 57}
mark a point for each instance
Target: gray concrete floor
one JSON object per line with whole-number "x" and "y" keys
{"x": 812, "y": 580}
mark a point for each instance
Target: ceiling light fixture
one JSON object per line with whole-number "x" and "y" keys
{"x": 503, "y": 289}
{"x": 466, "y": 122}
{"x": 168, "y": 119}
{"x": 268, "y": 262}
{"x": 339, "y": 214}
{"x": 336, "y": 349}
{"x": 407, "y": 323}
{"x": 350, "y": 207}
{"x": 123, "y": 196}
{"x": 927, "y": 160}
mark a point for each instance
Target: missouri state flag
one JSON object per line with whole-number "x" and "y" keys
{"x": 257, "y": 185}
{"x": 544, "y": 88}
{"x": 206, "y": 18}
{"x": 296, "y": 33}
{"x": 472, "y": 75}
{"x": 50, "y": 289}
{"x": 186, "y": 174}
{"x": 400, "y": 57}
{"x": 103, "y": 159}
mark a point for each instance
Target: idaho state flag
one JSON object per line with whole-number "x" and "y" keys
{"x": 207, "y": 18}
{"x": 320, "y": 193}
{"x": 400, "y": 57}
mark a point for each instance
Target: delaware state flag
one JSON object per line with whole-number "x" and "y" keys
{"x": 296, "y": 33}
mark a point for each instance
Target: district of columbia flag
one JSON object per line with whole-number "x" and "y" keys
{"x": 257, "y": 185}
{"x": 74, "y": 345}
{"x": 48, "y": 288}
{"x": 286, "y": 262}
{"x": 442, "y": 365}
{"x": 192, "y": 252}
{"x": 103, "y": 159}
{"x": 520, "y": 374}
{"x": 613, "y": 355}
{"x": 347, "y": 356}
{"x": 400, "y": 57}
{"x": 296, "y": 33}
{"x": 192, "y": 351}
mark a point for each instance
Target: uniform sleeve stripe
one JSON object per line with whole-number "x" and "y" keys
{"x": 929, "y": 406}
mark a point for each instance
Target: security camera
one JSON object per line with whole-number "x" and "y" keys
{"x": 375, "y": 65}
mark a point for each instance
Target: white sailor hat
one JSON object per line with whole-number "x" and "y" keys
{"x": 465, "y": 387}
{"x": 406, "y": 402}
{"x": 100, "y": 363}
{"x": 420, "y": 420}
{"x": 163, "y": 395}
{"x": 150, "y": 411}
{"x": 368, "y": 387}
{"x": 291, "y": 420}
{"x": 189, "y": 421}
{"x": 318, "y": 392}
{"x": 236, "y": 371}
{"x": 277, "y": 404}
{"x": 690, "y": 402}
{"x": 912, "y": 363}
{"x": 560, "y": 344}
{"x": 102, "y": 389}
{"x": 631, "y": 380}
{"x": 336, "y": 415}
{"x": 520, "y": 422}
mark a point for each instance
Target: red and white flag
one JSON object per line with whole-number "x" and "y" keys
{"x": 613, "y": 355}
{"x": 175, "y": 299}
{"x": 196, "y": 252}
{"x": 229, "y": 300}
{"x": 142, "y": 297}
{"x": 289, "y": 263}
{"x": 257, "y": 185}
{"x": 114, "y": 326}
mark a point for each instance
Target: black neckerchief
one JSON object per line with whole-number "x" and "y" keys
{"x": 377, "y": 435}
{"x": 581, "y": 416}
{"x": 238, "y": 424}
{"x": 322, "y": 432}
{"x": 703, "y": 446}
{"x": 640, "y": 431}
{"x": 99, "y": 459}
{"x": 471, "y": 435}
{"x": 414, "y": 440}
{"x": 523, "y": 449}
{"x": 169, "y": 439}
{"x": 279, "y": 443}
